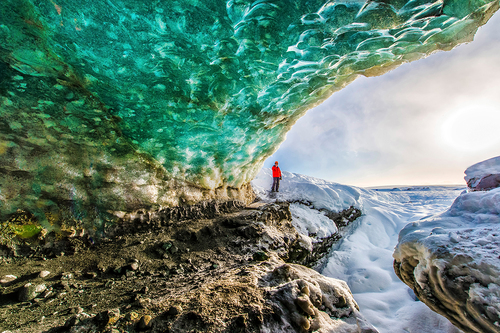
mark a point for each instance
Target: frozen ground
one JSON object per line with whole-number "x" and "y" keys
{"x": 364, "y": 256}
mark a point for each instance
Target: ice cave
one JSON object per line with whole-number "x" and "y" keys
{"x": 117, "y": 111}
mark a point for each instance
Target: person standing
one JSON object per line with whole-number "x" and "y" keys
{"x": 276, "y": 177}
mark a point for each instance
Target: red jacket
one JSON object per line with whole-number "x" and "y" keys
{"x": 276, "y": 171}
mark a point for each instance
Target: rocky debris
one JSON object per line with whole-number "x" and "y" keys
{"x": 452, "y": 264}
{"x": 43, "y": 245}
{"x": 142, "y": 219}
{"x": 344, "y": 217}
{"x": 213, "y": 275}
{"x": 483, "y": 176}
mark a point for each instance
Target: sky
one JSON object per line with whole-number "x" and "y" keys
{"x": 423, "y": 123}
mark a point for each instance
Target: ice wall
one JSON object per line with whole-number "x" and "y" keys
{"x": 123, "y": 105}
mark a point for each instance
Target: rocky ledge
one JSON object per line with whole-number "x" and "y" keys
{"x": 209, "y": 268}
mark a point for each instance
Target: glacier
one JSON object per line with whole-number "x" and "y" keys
{"x": 120, "y": 106}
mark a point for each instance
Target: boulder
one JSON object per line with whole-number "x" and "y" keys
{"x": 484, "y": 176}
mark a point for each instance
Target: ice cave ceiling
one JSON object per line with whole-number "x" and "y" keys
{"x": 127, "y": 104}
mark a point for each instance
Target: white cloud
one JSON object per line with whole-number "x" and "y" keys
{"x": 395, "y": 129}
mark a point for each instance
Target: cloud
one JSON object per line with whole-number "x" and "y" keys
{"x": 389, "y": 129}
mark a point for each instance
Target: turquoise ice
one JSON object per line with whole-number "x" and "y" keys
{"x": 114, "y": 106}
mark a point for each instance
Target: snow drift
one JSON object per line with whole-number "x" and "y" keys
{"x": 451, "y": 260}
{"x": 363, "y": 256}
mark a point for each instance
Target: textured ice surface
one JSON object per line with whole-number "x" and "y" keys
{"x": 451, "y": 260}
{"x": 123, "y": 105}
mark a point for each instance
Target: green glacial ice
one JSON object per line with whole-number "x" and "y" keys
{"x": 112, "y": 106}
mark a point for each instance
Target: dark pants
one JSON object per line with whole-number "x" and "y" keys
{"x": 276, "y": 184}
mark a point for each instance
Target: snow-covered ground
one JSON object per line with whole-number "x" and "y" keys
{"x": 363, "y": 258}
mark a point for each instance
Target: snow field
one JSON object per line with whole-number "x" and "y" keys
{"x": 363, "y": 258}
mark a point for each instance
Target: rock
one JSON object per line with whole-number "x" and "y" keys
{"x": 300, "y": 249}
{"x": 143, "y": 303}
{"x": 483, "y": 176}
{"x": 145, "y": 322}
{"x": 305, "y": 304}
{"x": 46, "y": 293}
{"x": 65, "y": 285}
{"x": 303, "y": 298}
{"x": 29, "y": 291}
{"x": 131, "y": 316}
{"x": 174, "y": 249}
{"x": 488, "y": 182}
{"x": 134, "y": 266}
{"x": 179, "y": 269}
{"x": 7, "y": 280}
{"x": 44, "y": 274}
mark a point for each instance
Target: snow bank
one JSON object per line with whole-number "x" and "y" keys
{"x": 320, "y": 193}
{"x": 451, "y": 260}
{"x": 363, "y": 257}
